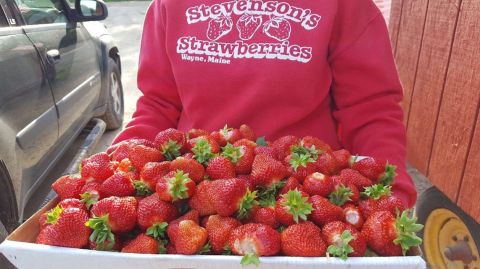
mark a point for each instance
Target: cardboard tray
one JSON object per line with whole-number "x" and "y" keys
{"x": 23, "y": 253}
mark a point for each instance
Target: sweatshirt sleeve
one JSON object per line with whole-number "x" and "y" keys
{"x": 366, "y": 91}
{"x": 159, "y": 107}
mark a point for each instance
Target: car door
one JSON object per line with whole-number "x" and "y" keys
{"x": 70, "y": 58}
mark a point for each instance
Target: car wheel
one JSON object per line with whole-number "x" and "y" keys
{"x": 113, "y": 116}
{"x": 3, "y": 232}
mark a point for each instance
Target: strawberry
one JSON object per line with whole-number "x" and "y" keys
{"x": 194, "y": 169}
{"x": 344, "y": 240}
{"x": 355, "y": 178}
{"x": 149, "y": 175}
{"x": 139, "y": 155}
{"x": 219, "y": 138}
{"x": 327, "y": 164}
{"x": 200, "y": 201}
{"x": 172, "y": 228}
{"x": 193, "y": 133}
{"x": 171, "y": 143}
{"x": 117, "y": 185}
{"x": 379, "y": 199}
{"x": 247, "y": 132}
{"x": 142, "y": 244}
{"x": 71, "y": 202}
{"x": 301, "y": 165}
{"x": 96, "y": 166}
{"x": 52, "y": 215}
{"x": 229, "y": 196}
{"x": 254, "y": 240}
{"x": 229, "y": 135}
{"x": 267, "y": 171}
{"x": 388, "y": 235}
{"x": 218, "y": 27}
{"x": 316, "y": 143}
{"x": 219, "y": 229}
{"x": 282, "y": 146}
{"x": 68, "y": 186}
{"x": 343, "y": 158}
{"x": 174, "y": 186}
{"x": 66, "y": 228}
{"x": 377, "y": 170}
{"x": 291, "y": 184}
{"x": 90, "y": 193}
{"x": 241, "y": 154}
{"x": 126, "y": 166}
{"x": 247, "y": 25}
{"x": 318, "y": 184}
{"x": 303, "y": 240}
{"x": 112, "y": 215}
{"x": 119, "y": 151}
{"x": 189, "y": 238}
{"x": 293, "y": 207}
{"x": 269, "y": 151}
{"x": 204, "y": 148}
{"x": 343, "y": 193}
{"x": 353, "y": 215}
{"x": 171, "y": 249}
{"x": 277, "y": 28}
{"x": 115, "y": 245}
{"x": 324, "y": 212}
{"x": 220, "y": 167}
{"x": 154, "y": 214}
{"x": 265, "y": 215}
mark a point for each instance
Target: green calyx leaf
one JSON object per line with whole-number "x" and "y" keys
{"x": 261, "y": 141}
{"x": 202, "y": 151}
{"x": 267, "y": 195}
{"x": 227, "y": 250}
{"x": 205, "y": 249}
{"x": 407, "y": 228}
{"x": 246, "y": 204}
{"x": 281, "y": 229}
{"x": 161, "y": 248}
{"x": 342, "y": 248}
{"x": 88, "y": 199}
{"x": 298, "y": 160}
{"x": 102, "y": 234}
{"x": 297, "y": 205}
{"x": 157, "y": 231}
{"x": 141, "y": 188}
{"x": 389, "y": 175}
{"x": 250, "y": 258}
{"x": 224, "y": 132}
{"x": 377, "y": 191}
{"x": 171, "y": 150}
{"x": 177, "y": 185}
{"x": 234, "y": 154}
{"x": 340, "y": 195}
{"x": 300, "y": 149}
{"x": 54, "y": 214}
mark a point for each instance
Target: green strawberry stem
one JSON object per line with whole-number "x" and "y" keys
{"x": 250, "y": 258}
{"x": 54, "y": 214}
{"x": 101, "y": 232}
{"x": 225, "y": 130}
{"x": 205, "y": 249}
{"x": 407, "y": 228}
{"x": 377, "y": 191}
{"x": 297, "y": 205}
{"x": 88, "y": 199}
{"x": 177, "y": 185}
{"x": 246, "y": 204}
{"x": 299, "y": 160}
{"x": 234, "y": 154}
{"x": 161, "y": 248}
{"x": 261, "y": 141}
{"x": 340, "y": 195}
{"x": 226, "y": 250}
{"x": 157, "y": 230}
{"x": 267, "y": 195}
{"x": 389, "y": 175}
{"x": 171, "y": 150}
{"x": 342, "y": 247}
{"x": 202, "y": 151}
{"x": 300, "y": 149}
{"x": 141, "y": 188}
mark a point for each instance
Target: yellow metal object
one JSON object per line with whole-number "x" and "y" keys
{"x": 444, "y": 229}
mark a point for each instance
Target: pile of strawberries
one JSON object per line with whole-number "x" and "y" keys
{"x": 225, "y": 193}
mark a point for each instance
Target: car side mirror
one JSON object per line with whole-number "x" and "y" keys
{"x": 90, "y": 10}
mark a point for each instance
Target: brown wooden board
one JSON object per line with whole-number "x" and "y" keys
{"x": 458, "y": 111}
{"x": 394, "y": 23}
{"x": 408, "y": 45}
{"x": 430, "y": 79}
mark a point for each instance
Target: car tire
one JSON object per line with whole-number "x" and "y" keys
{"x": 113, "y": 116}
{"x": 3, "y": 232}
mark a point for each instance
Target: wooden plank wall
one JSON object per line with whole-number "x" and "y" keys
{"x": 436, "y": 48}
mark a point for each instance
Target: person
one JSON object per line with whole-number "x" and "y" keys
{"x": 321, "y": 68}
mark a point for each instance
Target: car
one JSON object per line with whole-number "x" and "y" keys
{"x": 59, "y": 69}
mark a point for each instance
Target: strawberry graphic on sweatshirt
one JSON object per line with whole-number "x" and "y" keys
{"x": 277, "y": 28}
{"x": 219, "y": 27}
{"x": 247, "y": 25}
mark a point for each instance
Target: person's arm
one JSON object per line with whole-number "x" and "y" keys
{"x": 159, "y": 108}
{"x": 366, "y": 91}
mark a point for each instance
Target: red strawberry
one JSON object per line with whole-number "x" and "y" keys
{"x": 327, "y": 164}
{"x": 241, "y": 154}
{"x": 140, "y": 155}
{"x": 324, "y": 211}
{"x": 219, "y": 27}
{"x": 283, "y": 144}
{"x": 115, "y": 245}
{"x": 344, "y": 240}
{"x": 343, "y": 193}
{"x": 219, "y": 229}
{"x": 291, "y": 184}
{"x": 265, "y": 215}
{"x": 90, "y": 193}
{"x": 303, "y": 240}
{"x": 254, "y": 240}
{"x": 218, "y": 137}
{"x": 318, "y": 184}
{"x": 194, "y": 169}
{"x": 293, "y": 207}
{"x": 231, "y": 195}
{"x": 172, "y": 228}
{"x": 247, "y": 25}
{"x": 117, "y": 185}
{"x": 193, "y": 133}
{"x": 142, "y": 244}
{"x": 379, "y": 171}
{"x": 119, "y": 151}
{"x": 301, "y": 165}
{"x": 149, "y": 175}
{"x": 318, "y": 144}
{"x": 75, "y": 203}
{"x": 68, "y": 186}
{"x": 355, "y": 178}
{"x": 267, "y": 171}
{"x": 126, "y": 166}
{"x": 388, "y": 235}
{"x": 204, "y": 148}
{"x": 96, "y": 166}
{"x": 174, "y": 186}
{"x": 353, "y": 215}
{"x": 379, "y": 199}
{"x": 247, "y": 132}
{"x": 52, "y": 215}
{"x": 343, "y": 158}
{"x": 277, "y": 28}
{"x": 200, "y": 201}
{"x": 171, "y": 143}
{"x": 171, "y": 249}
{"x": 154, "y": 214}
{"x": 112, "y": 215}
{"x": 189, "y": 238}
{"x": 66, "y": 228}
{"x": 220, "y": 167}
{"x": 269, "y": 151}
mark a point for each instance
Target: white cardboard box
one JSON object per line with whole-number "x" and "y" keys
{"x": 23, "y": 253}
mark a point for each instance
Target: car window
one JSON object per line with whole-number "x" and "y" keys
{"x": 42, "y": 11}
